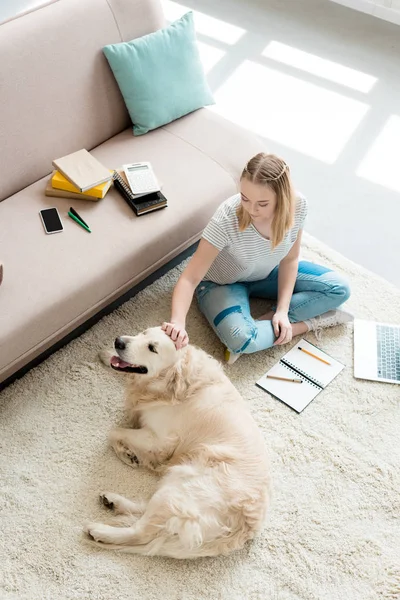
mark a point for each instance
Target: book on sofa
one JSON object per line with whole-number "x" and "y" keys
{"x": 57, "y": 193}
{"x": 82, "y": 169}
{"x": 139, "y": 203}
{"x": 59, "y": 182}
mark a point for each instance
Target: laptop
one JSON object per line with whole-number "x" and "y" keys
{"x": 376, "y": 351}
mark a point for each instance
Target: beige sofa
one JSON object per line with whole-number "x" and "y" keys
{"x": 58, "y": 95}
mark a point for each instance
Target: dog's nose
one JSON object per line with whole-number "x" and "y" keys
{"x": 119, "y": 343}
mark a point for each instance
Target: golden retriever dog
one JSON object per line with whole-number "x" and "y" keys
{"x": 190, "y": 425}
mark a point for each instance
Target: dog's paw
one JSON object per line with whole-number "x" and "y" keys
{"x": 106, "y": 499}
{"x": 120, "y": 505}
{"x": 105, "y": 356}
{"x": 126, "y": 454}
{"x": 98, "y": 532}
{"x": 133, "y": 459}
{"x": 88, "y": 529}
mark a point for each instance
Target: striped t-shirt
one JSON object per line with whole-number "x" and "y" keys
{"x": 246, "y": 255}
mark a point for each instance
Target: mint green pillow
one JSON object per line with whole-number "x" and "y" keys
{"x": 160, "y": 75}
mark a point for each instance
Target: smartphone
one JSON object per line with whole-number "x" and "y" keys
{"x": 51, "y": 220}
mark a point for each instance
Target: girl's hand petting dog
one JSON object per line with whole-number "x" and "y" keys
{"x": 177, "y": 333}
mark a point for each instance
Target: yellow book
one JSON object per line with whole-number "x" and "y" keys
{"x": 54, "y": 192}
{"x": 59, "y": 182}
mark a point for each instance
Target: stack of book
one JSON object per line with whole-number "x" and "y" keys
{"x": 79, "y": 175}
{"x": 139, "y": 203}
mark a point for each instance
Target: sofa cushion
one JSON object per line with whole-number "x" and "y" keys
{"x": 160, "y": 75}
{"x": 55, "y": 283}
{"x": 218, "y": 138}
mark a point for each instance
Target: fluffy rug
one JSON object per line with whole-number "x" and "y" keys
{"x": 333, "y": 528}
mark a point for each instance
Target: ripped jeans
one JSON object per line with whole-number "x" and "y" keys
{"x": 227, "y": 307}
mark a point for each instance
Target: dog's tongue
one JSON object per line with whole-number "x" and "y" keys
{"x": 117, "y": 362}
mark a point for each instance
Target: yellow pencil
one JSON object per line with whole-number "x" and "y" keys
{"x": 285, "y": 379}
{"x": 314, "y": 356}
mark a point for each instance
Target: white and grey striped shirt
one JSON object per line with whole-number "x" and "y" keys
{"x": 246, "y": 255}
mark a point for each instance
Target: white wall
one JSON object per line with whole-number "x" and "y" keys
{"x": 383, "y": 9}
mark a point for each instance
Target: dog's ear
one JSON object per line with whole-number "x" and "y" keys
{"x": 178, "y": 378}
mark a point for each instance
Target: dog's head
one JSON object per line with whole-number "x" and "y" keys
{"x": 147, "y": 353}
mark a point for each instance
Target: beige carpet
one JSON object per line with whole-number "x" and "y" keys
{"x": 333, "y": 530}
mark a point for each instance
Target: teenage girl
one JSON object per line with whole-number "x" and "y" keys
{"x": 251, "y": 247}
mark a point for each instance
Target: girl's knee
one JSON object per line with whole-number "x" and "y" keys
{"x": 235, "y": 330}
{"x": 342, "y": 289}
{"x": 346, "y": 291}
{"x": 337, "y": 287}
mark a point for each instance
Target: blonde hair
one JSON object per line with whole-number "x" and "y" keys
{"x": 273, "y": 172}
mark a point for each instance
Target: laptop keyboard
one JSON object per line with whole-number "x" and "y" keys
{"x": 388, "y": 348}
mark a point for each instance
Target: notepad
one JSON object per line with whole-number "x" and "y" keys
{"x": 315, "y": 375}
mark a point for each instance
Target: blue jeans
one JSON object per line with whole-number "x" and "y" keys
{"x": 227, "y": 307}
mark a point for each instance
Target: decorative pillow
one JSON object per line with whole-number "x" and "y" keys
{"x": 160, "y": 75}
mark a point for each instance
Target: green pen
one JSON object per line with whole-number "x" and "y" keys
{"x": 78, "y": 221}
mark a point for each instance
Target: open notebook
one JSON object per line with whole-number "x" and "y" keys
{"x": 296, "y": 364}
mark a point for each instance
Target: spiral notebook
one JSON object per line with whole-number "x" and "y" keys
{"x": 299, "y": 364}
{"x": 139, "y": 203}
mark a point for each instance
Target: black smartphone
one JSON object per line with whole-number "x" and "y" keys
{"x": 51, "y": 220}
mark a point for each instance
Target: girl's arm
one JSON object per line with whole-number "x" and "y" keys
{"x": 287, "y": 274}
{"x": 198, "y": 266}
